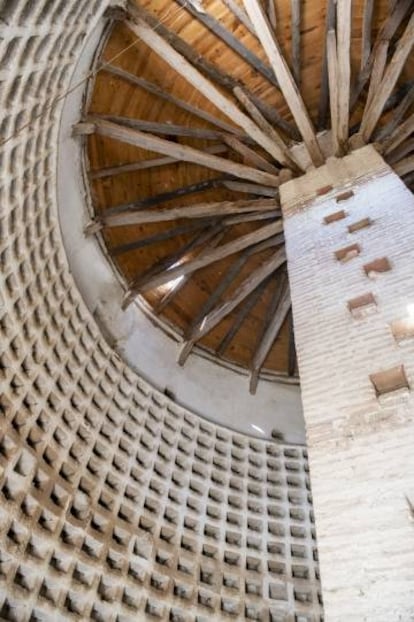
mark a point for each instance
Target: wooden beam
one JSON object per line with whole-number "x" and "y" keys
{"x": 250, "y": 157}
{"x": 240, "y": 14}
{"x": 401, "y": 151}
{"x": 402, "y": 132}
{"x": 247, "y": 188}
{"x": 131, "y": 167}
{"x": 230, "y": 40}
{"x": 255, "y": 216}
{"x": 377, "y": 73}
{"x": 391, "y": 75}
{"x": 215, "y": 316}
{"x": 386, "y": 33}
{"x": 271, "y": 333}
{"x": 271, "y": 13}
{"x": 223, "y": 251}
{"x": 173, "y": 232}
{"x": 344, "y": 18}
{"x": 211, "y": 71}
{"x": 396, "y": 117}
{"x": 249, "y": 303}
{"x": 366, "y": 32}
{"x": 154, "y": 89}
{"x": 209, "y": 234}
{"x": 181, "y": 65}
{"x": 330, "y": 23}
{"x": 164, "y": 197}
{"x": 166, "y": 129}
{"x": 210, "y": 241}
{"x": 285, "y": 156}
{"x": 201, "y": 210}
{"x": 284, "y": 78}
{"x": 332, "y": 56}
{"x": 181, "y": 152}
{"x": 404, "y": 166}
{"x": 295, "y": 28}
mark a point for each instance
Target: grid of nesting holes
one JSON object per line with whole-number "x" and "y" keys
{"x": 116, "y": 504}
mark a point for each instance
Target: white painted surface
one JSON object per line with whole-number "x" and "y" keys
{"x": 218, "y": 394}
{"x": 360, "y": 447}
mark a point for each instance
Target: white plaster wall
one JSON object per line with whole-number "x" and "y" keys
{"x": 360, "y": 447}
{"x": 211, "y": 390}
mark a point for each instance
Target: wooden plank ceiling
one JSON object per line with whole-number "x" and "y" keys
{"x": 189, "y": 129}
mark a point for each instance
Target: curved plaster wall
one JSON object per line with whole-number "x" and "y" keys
{"x": 116, "y": 503}
{"x": 216, "y": 392}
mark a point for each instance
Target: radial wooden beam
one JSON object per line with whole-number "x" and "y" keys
{"x": 344, "y": 16}
{"x": 330, "y": 22}
{"x": 396, "y": 116}
{"x": 402, "y": 132}
{"x": 169, "y": 296}
{"x": 215, "y": 316}
{"x": 295, "y": 28}
{"x": 284, "y": 78}
{"x": 248, "y": 188}
{"x": 332, "y": 57}
{"x": 248, "y": 305}
{"x": 172, "y": 232}
{"x": 164, "y": 197}
{"x": 181, "y": 152}
{"x": 201, "y": 210}
{"x": 406, "y": 147}
{"x": 223, "y": 251}
{"x": 404, "y": 166}
{"x": 271, "y": 333}
{"x": 154, "y": 89}
{"x": 210, "y": 236}
{"x": 165, "y": 129}
{"x": 366, "y": 32}
{"x": 285, "y": 156}
{"x": 230, "y": 40}
{"x": 131, "y": 167}
{"x": 253, "y": 216}
{"x": 377, "y": 72}
{"x": 241, "y": 15}
{"x": 250, "y": 157}
{"x": 391, "y": 75}
{"x": 184, "y": 68}
{"x": 386, "y": 33}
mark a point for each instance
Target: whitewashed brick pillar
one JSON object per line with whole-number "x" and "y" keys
{"x": 349, "y": 229}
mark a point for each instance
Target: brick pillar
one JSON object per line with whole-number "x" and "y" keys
{"x": 349, "y": 229}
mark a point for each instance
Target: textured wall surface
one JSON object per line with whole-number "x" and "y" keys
{"x": 116, "y": 504}
{"x": 360, "y": 445}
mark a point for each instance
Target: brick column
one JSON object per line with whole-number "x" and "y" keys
{"x": 349, "y": 229}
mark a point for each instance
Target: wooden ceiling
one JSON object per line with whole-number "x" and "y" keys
{"x": 191, "y": 124}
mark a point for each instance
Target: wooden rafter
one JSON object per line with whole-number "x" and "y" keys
{"x": 230, "y": 248}
{"x": 396, "y": 116}
{"x": 284, "y": 78}
{"x": 366, "y": 32}
{"x": 249, "y": 284}
{"x": 189, "y": 72}
{"x": 154, "y": 89}
{"x": 295, "y": 27}
{"x": 386, "y": 33}
{"x": 330, "y": 22}
{"x": 332, "y": 56}
{"x": 402, "y": 132}
{"x": 344, "y": 15}
{"x": 285, "y": 155}
{"x": 272, "y": 330}
{"x": 373, "y": 112}
{"x": 201, "y": 210}
{"x": 229, "y": 39}
{"x": 145, "y": 140}
{"x": 241, "y": 315}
